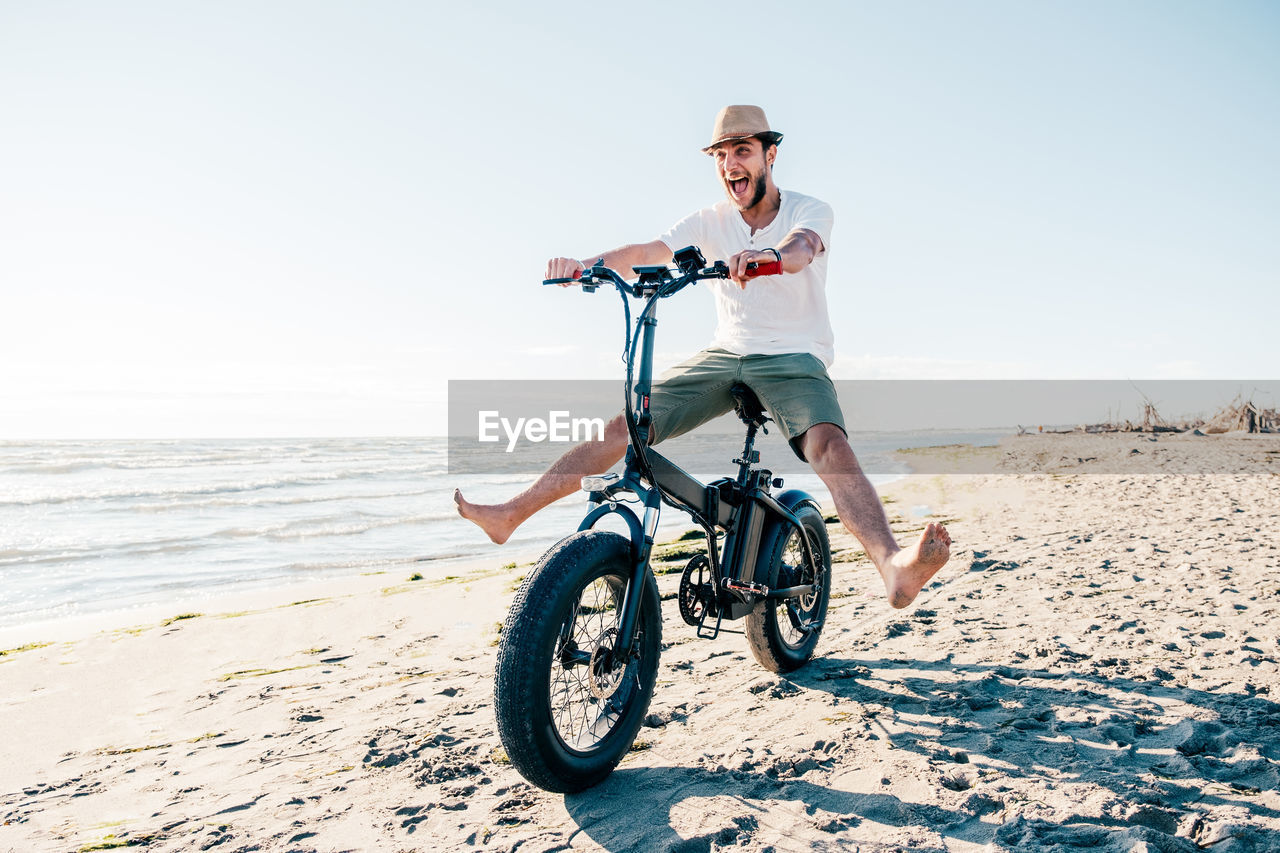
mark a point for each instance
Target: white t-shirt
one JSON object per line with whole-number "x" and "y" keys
{"x": 774, "y": 314}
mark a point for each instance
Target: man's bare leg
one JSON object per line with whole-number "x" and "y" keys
{"x": 564, "y": 477}
{"x": 904, "y": 571}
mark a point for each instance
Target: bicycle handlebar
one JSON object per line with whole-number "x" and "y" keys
{"x": 719, "y": 270}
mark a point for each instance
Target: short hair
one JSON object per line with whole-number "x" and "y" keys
{"x": 767, "y": 139}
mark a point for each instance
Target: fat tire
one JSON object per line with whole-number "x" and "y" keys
{"x": 522, "y": 693}
{"x": 762, "y": 630}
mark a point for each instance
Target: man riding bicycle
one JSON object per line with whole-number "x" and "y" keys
{"x": 773, "y": 334}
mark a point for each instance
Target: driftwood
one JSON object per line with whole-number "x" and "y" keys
{"x": 1243, "y": 416}
{"x": 1152, "y": 421}
{"x": 1237, "y": 416}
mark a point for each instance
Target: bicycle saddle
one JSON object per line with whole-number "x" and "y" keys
{"x": 747, "y": 405}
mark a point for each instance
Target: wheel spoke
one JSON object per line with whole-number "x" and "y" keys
{"x": 582, "y": 719}
{"x": 795, "y": 616}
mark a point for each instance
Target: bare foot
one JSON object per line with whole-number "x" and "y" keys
{"x": 911, "y": 568}
{"x": 495, "y": 520}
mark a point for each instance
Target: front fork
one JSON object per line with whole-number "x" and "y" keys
{"x": 641, "y": 547}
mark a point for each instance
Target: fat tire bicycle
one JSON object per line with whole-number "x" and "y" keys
{"x": 578, "y": 653}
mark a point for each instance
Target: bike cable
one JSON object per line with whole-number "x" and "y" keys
{"x": 626, "y": 346}
{"x": 632, "y": 343}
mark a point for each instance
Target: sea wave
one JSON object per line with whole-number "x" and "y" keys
{"x": 337, "y": 525}
{"x": 200, "y": 502}
{"x": 178, "y": 490}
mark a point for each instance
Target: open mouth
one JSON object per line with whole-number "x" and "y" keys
{"x": 738, "y": 186}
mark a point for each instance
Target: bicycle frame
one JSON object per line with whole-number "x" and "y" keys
{"x": 740, "y": 506}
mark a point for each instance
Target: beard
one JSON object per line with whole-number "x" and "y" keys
{"x": 758, "y": 195}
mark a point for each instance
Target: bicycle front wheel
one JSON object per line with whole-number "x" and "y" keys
{"x": 567, "y": 710}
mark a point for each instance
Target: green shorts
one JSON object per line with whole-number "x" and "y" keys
{"x": 794, "y": 387}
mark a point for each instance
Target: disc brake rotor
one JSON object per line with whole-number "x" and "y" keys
{"x": 605, "y": 675}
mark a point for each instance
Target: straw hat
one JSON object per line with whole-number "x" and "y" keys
{"x": 741, "y": 122}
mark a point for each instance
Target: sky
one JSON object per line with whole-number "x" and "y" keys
{"x": 305, "y": 218}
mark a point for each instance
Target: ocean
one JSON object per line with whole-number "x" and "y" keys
{"x": 90, "y": 527}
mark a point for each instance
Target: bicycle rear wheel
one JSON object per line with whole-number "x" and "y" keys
{"x": 783, "y": 633}
{"x": 567, "y": 711}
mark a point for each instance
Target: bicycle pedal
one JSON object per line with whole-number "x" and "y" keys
{"x": 749, "y": 587}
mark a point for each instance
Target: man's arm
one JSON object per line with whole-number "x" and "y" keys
{"x": 796, "y": 251}
{"x": 621, "y": 260}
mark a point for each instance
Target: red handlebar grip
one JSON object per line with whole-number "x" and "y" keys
{"x": 577, "y": 275}
{"x": 771, "y": 268}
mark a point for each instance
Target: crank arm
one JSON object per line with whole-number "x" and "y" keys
{"x": 791, "y": 591}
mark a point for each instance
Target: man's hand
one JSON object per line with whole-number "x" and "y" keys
{"x": 796, "y": 251}
{"x": 563, "y": 268}
{"x": 738, "y": 264}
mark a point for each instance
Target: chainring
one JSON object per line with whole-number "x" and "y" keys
{"x": 695, "y": 592}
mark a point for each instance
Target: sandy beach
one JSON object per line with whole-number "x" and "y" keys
{"x": 1097, "y": 667}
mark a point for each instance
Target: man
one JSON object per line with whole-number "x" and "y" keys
{"x": 773, "y": 334}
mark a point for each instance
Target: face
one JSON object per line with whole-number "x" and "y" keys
{"x": 743, "y": 168}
